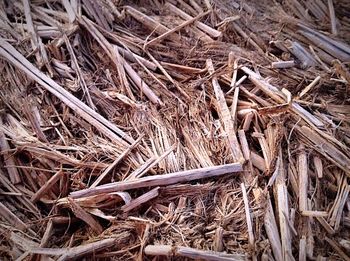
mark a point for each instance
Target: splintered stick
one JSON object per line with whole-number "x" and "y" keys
{"x": 175, "y": 29}
{"x": 336, "y": 211}
{"x": 187, "y": 7}
{"x": 80, "y": 213}
{"x": 235, "y": 103}
{"x": 31, "y": 30}
{"x": 205, "y": 28}
{"x": 332, "y": 17}
{"x": 150, "y": 23}
{"x": 283, "y": 64}
{"x": 248, "y": 38}
{"x": 161, "y": 180}
{"x": 311, "y": 213}
{"x": 264, "y": 86}
{"x": 279, "y": 97}
{"x": 11, "y": 217}
{"x": 247, "y": 213}
{"x": 270, "y": 224}
{"x": 142, "y": 199}
{"x": 302, "y": 249}
{"x": 134, "y": 57}
{"x": 79, "y": 73}
{"x": 69, "y": 9}
{"x": 337, "y": 248}
{"x": 310, "y": 86}
{"x": 244, "y": 143}
{"x": 47, "y": 186}
{"x": 179, "y": 251}
{"x": 326, "y": 225}
{"x": 47, "y": 234}
{"x": 41, "y": 55}
{"x": 149, "y": 165}
{"x": 168, "y": 76}
{"x": 196, "y": 6}
{"x": 141, "y": 84}
{"x": 225, "y": 116}
{"x": 76, "y": 252}
{"x": 230, "y": 66}
{"x": 281, "y": 197}
{"x": 303, "y": 179}
{"x": 318, "y": 167}
{"x": 234, "y": 75}
{"x": 117, "y": 160}
{"x": 8, "y": 158}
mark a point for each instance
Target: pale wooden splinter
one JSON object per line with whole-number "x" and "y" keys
{"x": 225, "y": 116}
{"x": 161, "y": 180}
{"x": 179, "y": 251}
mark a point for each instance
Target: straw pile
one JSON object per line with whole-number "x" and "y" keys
{"x": 215, "y": 130}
